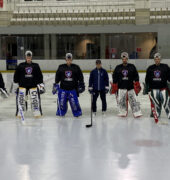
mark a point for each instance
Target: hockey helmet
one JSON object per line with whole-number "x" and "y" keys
{"x": 157, "y": 55}
{"x": 28, "y": 53}
{"x": 124, "y": 54}
{"x": 69, "y": 56}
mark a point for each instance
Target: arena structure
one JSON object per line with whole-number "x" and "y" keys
{"x": 89, "y": 29}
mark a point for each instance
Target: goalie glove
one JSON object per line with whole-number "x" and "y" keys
{"x": 4, "y": 92}
{"x": 114, "y": 88}
{"x": 137, "y": 87}
{"x": 90, "y": 89}
{"x": 81, "y": 87}
{"x": 41, "y": 88}
{"x": 55, "y": 89}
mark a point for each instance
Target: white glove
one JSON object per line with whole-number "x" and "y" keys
{"x": 41, "y": 88}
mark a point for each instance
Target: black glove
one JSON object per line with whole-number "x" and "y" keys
{"x": 55, "y": 89}
{"x": 81, "y": 87}
{"x": 4, "y": 92}
{"x": 90, "y": 89}
{"x": 106, "y": 89}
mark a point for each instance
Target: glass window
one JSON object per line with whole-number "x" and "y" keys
{"x": 81, "y": 46}
{"x": 138, "y": 45}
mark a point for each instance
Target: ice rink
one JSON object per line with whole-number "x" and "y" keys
{"x": 53, "y": 148}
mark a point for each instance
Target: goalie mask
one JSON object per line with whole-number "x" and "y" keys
{"x": 124, "y": 55}
{"x": 28, "y": 53}
{"x": 157, "y": 55}
{"x": 69, "y": 56}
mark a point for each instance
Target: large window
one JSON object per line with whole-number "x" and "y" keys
{"x": 81, "y": 46}
{"x": 138, "y": 45}
{"x": 14, "y": 46}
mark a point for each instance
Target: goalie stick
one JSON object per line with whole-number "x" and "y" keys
{"x": 91, "y": 122}
{"x": 153, "y": 110}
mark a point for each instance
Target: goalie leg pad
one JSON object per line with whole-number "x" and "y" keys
{"x": 156, "y": 100}
{"x": 123, "y": 102}
{"x": 164, "y": 96}
{"x": 20, "y": 101}
{"x": 62, "y": 102}
{"x": 35, "y": 102}
{"x": 74, "y": 103}
{"x": 134, "y": 104}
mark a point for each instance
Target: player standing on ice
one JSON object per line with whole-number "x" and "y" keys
{"x": 99, "y": 84}
{"x": 71, "y": 82}
{"x": 126, "y": 86}
{"x": 157, "y": 84}
{"x": 30, "y": 80}
{"x": 3, "y": 90}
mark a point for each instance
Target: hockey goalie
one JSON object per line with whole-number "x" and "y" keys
{"x": 29, "y": 78}
{"x": 126, "y": 87}
{"x": 69, "y": 82}
{"x": 157, "y": 85}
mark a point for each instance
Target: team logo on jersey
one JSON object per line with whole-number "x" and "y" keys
{"x": 125, "y": 72}
{"x": 68, "y": 74}
{"x": 28, "y": 70}
{"x": 157, "y": 73}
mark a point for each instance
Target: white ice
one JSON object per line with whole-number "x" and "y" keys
{"x": 52, "y": 148}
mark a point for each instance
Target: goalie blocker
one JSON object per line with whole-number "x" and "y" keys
{"x": 21, "y": 101}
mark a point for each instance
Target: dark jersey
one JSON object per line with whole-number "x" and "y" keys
{"x": 69, "y": 76}
{"x": 28, "y": 75}
{"x": 2, "y": 85}
{"x": 125, "y": 76}
{"x": 157, "y": 76}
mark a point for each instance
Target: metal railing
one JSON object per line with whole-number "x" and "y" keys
{"x": 159, "y": 3}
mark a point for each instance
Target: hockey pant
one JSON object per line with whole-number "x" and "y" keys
{"x": 160, "y": 98}
{"x": 21, "y": 101}
{"x": 123, "y": 97}
{"x": 63, "y": 97}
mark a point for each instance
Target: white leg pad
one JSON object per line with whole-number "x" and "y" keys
{"x": 123, "y": 104}
{"x": 35, "y": 102}
{"x": 21, "y": 101}
{"x": 134, "y": 104}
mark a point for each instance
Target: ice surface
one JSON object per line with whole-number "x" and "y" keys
{"x": 53, "y": 148}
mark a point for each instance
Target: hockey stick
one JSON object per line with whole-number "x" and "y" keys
{"x": 11, "y": 87}
{"x": 153, "y": 110}
{"x": 91, "y": 123}
{"x": 58, "y": 102}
